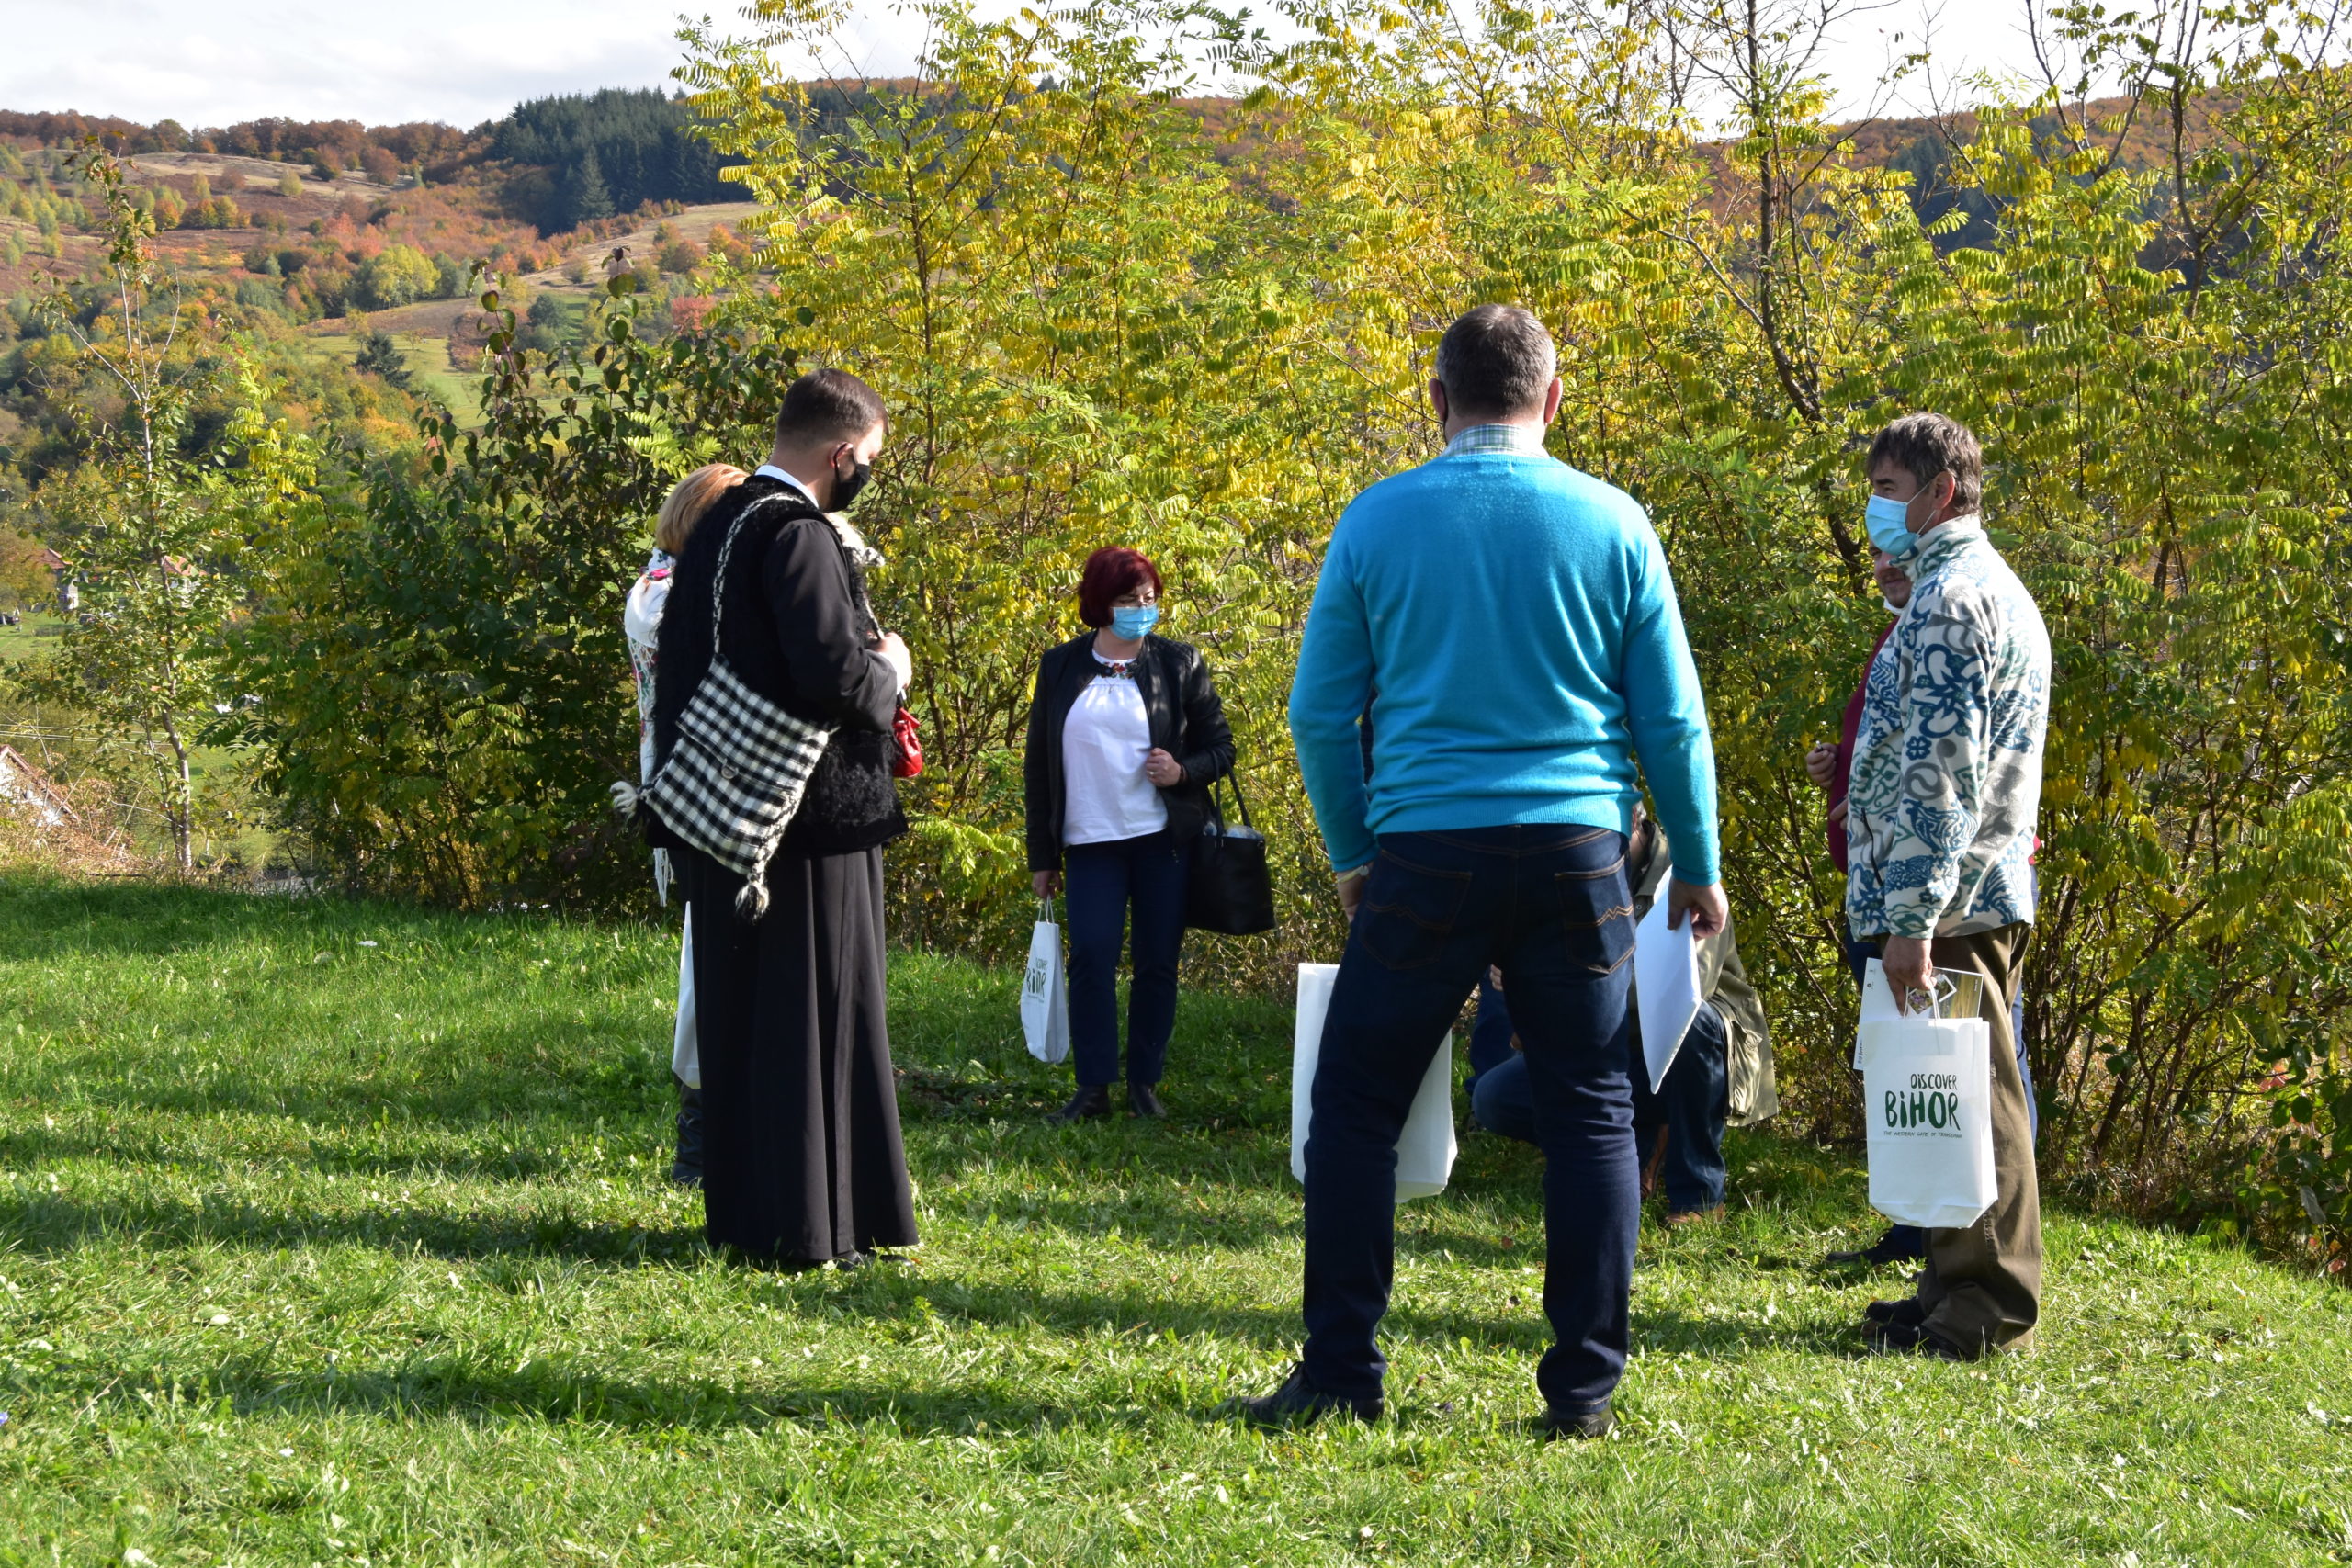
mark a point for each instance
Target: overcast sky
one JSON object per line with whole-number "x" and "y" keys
{"x": 469, "y": 61}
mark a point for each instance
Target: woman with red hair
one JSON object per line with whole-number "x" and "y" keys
{"x": 1126, "y": 734}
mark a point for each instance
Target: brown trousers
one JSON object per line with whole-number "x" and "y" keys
{"x": 1983, "y": 1285}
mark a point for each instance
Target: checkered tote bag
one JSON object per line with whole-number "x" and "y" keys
{"x": 734, "y": 777}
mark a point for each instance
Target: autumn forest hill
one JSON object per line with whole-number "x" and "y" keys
{"x": 339, "y": 232}
{"x": 309, "y": 206}
{"x": 345, "y": 254}
{"x": 296, "y": 218}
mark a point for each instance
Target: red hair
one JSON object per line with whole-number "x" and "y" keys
{"x": 1112, "y": 571}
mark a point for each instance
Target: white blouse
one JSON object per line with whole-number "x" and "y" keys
{"x": 1106, "y": 736}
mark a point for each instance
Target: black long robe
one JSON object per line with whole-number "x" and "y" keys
{"x": 802, "y": 1159}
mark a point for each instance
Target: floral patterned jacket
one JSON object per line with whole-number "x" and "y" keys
{"x": 1947, "y": 774}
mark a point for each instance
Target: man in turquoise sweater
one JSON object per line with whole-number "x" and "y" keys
{"x": 1513, "y": 626}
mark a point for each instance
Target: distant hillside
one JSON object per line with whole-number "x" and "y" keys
{"x": 347, "y": 255}
{"x": 554, "y": 164}
{"x": 310, "y": 220}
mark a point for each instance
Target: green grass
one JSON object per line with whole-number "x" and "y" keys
{"x": 317, "y": 1251}
{"x": 427, "y": 359}
{"x": 24, "y": 640}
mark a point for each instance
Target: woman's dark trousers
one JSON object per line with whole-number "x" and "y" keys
{"x": 1107, "y": 884}
{"x": 1550, "y": 904}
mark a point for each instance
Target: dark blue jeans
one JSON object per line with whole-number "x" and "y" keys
{"x": 1550, "y": 904}
{"x": 1691, "y": 1107}
{"x": 1105, "y": 884}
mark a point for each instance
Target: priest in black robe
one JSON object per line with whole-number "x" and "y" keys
{"x": 803, "y": 1163}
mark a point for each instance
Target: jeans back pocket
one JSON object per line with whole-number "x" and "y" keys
{"x": 1410, "y": 910}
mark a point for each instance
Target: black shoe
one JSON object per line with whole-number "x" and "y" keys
{"x": 1596, "y": 1422}
{"x": 1910, "y": 1339}
{"x": 686, "y": 1169}
{"x": 1907, "y": 1312}
{"x": 1143, "y": 1100}
{"x": 1091, "y": 1100}
{"x": 1901, "y": 1243}
{"x": 1299, "y": 1401}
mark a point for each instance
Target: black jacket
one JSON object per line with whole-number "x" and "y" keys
{"x": 799, "y": 630}
{"x": 1187, "y": 721}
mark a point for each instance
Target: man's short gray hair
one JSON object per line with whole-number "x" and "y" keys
{"x": 1495, "y": 362}
{"x": 1926, "y": 444}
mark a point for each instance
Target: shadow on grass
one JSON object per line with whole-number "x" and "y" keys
{"x": 496, "y": 1074}
{"x": 44, "y": 918}
{"x": 567, "y": 1390}
{"x": 482, "y": 1386}
{"x": 52, "y": 1225}
{"x": 1671, "y": 1331}
{"x": 240, "y": 1154}
{"x": 1176, "y": 1193}
{"x": 883, "y": 1294}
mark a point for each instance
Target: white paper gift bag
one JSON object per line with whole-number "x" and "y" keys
{"x": 1426, "y": 1148}
{"x": 1928, "y": 1101}
{"x": 1044, "y": 1000}
{"x": 685, "y": 1044}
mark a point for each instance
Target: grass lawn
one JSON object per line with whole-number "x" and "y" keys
{"x": 427, "y": 355}
{"x": 336, "y": 1234}
{"x": 24, "y": 639}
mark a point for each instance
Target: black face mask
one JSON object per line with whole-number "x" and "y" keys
{"x": 845, "y": 488}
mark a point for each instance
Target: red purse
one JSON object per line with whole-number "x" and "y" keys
{"x": 907, "y": 734}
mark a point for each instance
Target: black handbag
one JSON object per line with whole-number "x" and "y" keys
{"x": 1231, "y": 890}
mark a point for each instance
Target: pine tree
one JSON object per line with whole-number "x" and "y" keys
{"x": 379, "y": 356}
{"x": 590, "y": 201}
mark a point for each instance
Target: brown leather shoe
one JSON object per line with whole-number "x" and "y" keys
{"x": 1694, "y": 1216}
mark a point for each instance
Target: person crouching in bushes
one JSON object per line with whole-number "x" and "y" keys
{"x": 1722, "y": 1074}
{"x": 642, "y": 619}
{"x": 1127, "y": 734}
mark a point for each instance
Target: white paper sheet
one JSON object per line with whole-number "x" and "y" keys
{"x": 1666, "y": 986}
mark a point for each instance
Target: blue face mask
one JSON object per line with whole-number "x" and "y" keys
{"x": 1889, "y": 525}
{"x": 1134, "y": 622}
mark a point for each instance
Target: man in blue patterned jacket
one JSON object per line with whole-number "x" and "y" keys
{"x": 1946, "y": 782}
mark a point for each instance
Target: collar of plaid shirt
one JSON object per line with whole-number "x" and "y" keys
{"x": 1522, "y": 438}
